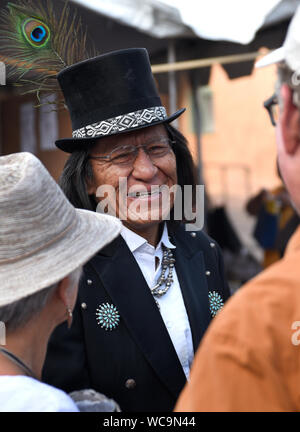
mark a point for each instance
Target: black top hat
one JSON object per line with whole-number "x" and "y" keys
{"x": 110, "y": 94}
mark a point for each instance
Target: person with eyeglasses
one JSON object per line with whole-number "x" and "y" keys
{"x": 146, "y": 300}
{"x": 249, "y": 357}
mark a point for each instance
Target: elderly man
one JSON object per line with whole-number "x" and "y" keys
{"x": 148, "y": 298}
{"x": 249, "y": 359}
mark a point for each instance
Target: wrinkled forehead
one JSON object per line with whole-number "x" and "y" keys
{"x": 104, "y": 145}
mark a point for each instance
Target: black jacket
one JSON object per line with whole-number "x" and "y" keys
{"x": 136, "y": 363}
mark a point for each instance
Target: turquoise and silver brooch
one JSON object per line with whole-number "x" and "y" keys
{"x": 107, "y": 316}
{"x": 215, "y": 302}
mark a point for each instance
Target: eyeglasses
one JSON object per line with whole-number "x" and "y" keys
{"x": 270, "y": 105}
{"x": 126, "y": 155}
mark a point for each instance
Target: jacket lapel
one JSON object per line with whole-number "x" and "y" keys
{"x": 124, "y": 282}
{"x": 190, "y": 269}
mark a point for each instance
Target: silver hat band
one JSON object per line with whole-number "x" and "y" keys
{"x": 121, "y": 123}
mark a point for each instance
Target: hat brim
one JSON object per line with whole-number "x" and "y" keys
{"x": 273, "y": 57}
{"x": 90, "y": 233}
{"x": 70, "y": 145}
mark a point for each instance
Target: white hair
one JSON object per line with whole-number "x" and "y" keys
{"x": 18, "y": 313}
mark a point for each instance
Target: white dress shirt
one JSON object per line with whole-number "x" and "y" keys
{"x": 20, "y": 393}
{"x": 171, "y": 304}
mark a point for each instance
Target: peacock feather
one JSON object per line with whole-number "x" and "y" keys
{"x": 35, "y": 44}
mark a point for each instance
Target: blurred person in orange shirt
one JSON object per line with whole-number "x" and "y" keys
{"x": 249, "y": 359}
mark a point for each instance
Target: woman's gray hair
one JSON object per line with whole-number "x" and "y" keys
{"x": 17, "y": 314}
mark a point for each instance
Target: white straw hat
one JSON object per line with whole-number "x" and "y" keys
{"x": 290, "y": 51}
{"x": 43, "y": 237}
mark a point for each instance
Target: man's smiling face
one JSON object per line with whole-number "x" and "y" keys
{"x": 143, "y": 175}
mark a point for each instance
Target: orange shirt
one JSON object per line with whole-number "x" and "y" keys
{"x": 249, "y": 359}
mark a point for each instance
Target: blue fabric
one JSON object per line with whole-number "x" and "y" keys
{"x": 266, "y": 229}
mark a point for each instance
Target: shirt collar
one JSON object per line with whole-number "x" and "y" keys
{"x": 165, "y": 239}
{"x": 135, "y": 241}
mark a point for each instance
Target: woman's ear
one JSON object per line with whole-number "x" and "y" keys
{"x": 62, "y": 291}
{"x": 290, "y": 121}
{"x": 65, "y": 297}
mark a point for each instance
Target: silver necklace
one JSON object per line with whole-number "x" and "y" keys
{"x": 165, "y": 280}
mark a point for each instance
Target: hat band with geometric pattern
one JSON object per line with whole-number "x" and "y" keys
{"x": 122, "y": 123}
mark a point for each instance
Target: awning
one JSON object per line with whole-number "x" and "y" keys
{"x": 218, "y": 20}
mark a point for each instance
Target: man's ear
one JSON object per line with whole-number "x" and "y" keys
{"x": 90, "y": 187}
{"x": 290, "y": 121}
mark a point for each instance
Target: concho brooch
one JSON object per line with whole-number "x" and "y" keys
{"x": 107, "y": 316}
{"x": 215, "y": 302}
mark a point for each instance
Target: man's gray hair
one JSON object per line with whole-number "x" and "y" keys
{"x": 18, "y": 313}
